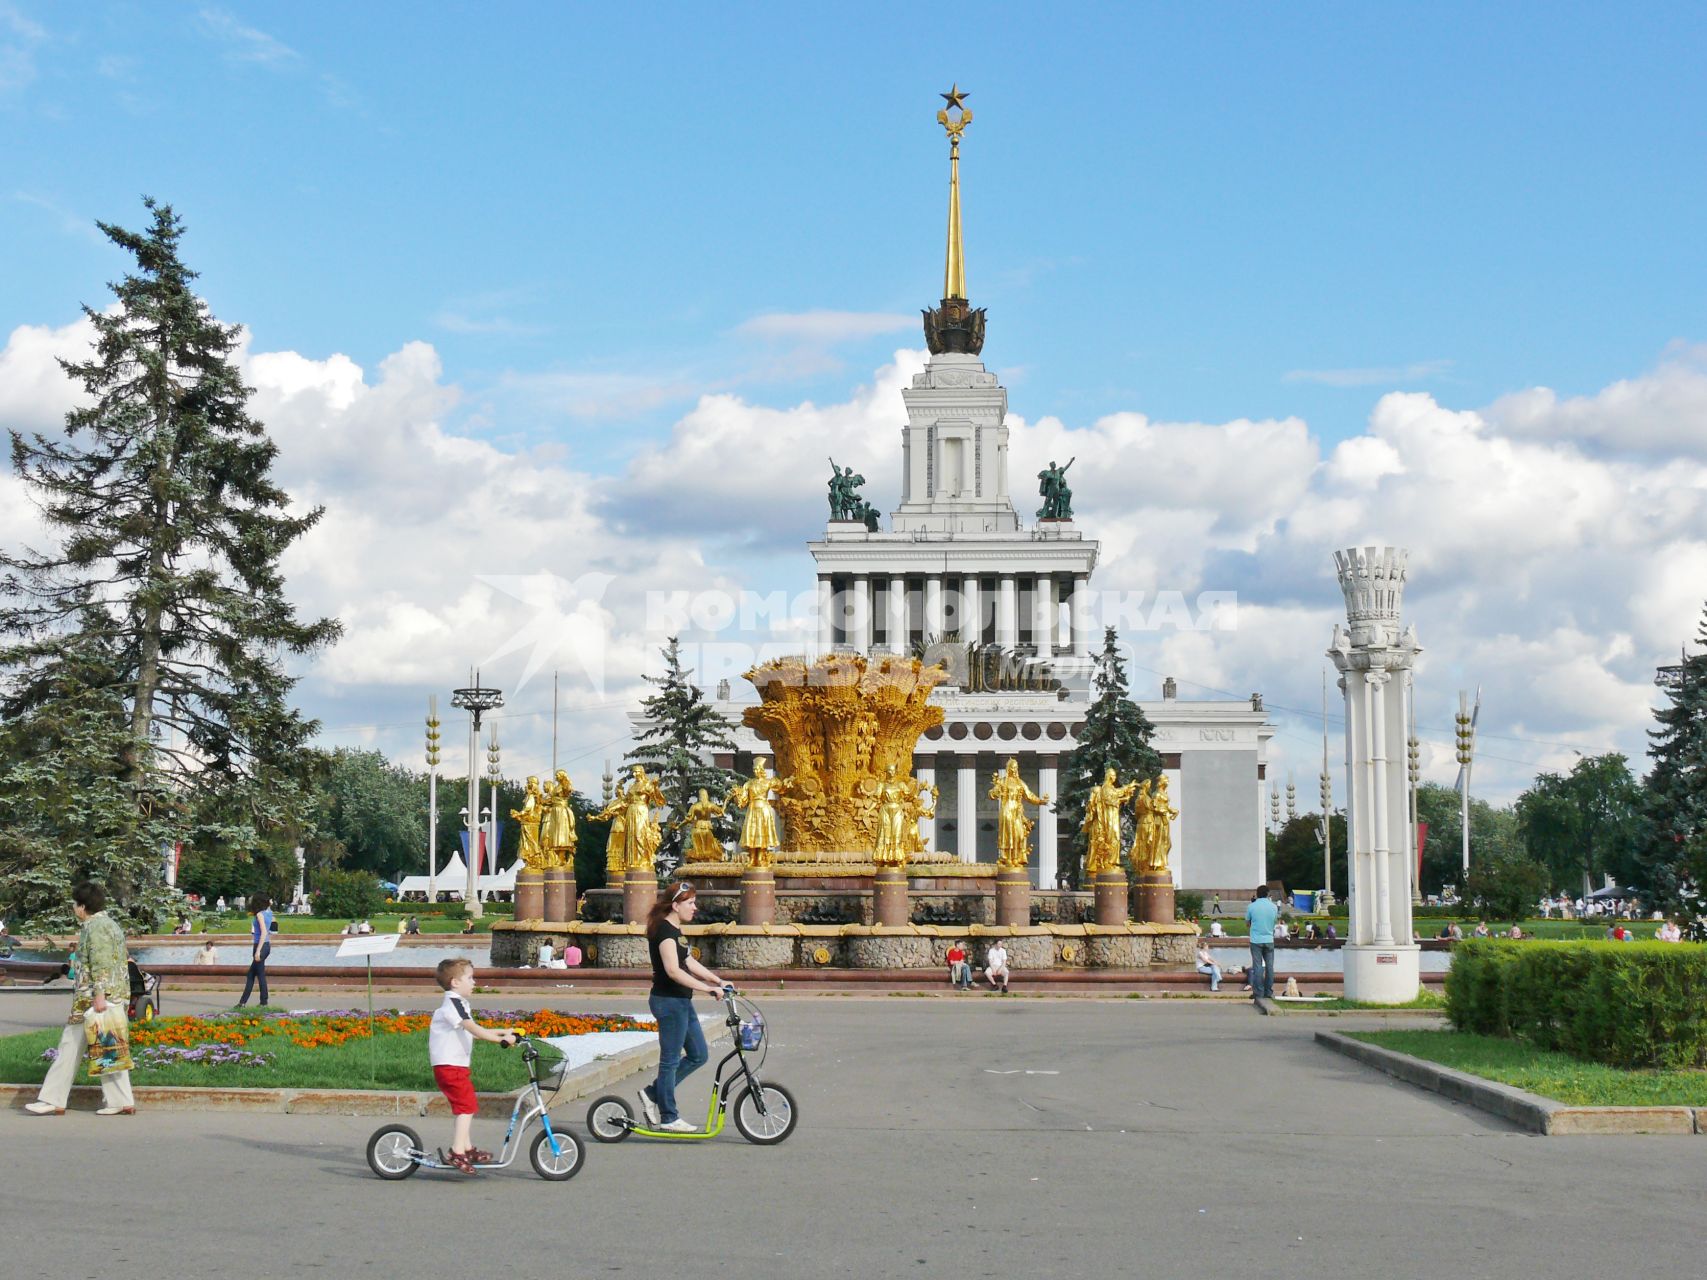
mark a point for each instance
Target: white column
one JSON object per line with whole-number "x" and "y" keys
{"x": 971, "y": 611}
{"x": 966, "y": 808}
{"x": 1007, "y": 612}
{"x": 859, "y": 628}
{"x": 1044, "y": 611}
{"x": 933, "y": 607}
{"x": 1358, "y": 873}
{"x": 1082, "y": 615}
{"x": 1047, "y": 850}
{"x": 826, "y": 615}
{"x": 1376, "y": 681}
{"x": 897, "y": 613}
{"x": 924, "y": 769}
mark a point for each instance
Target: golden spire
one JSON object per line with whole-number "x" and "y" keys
{"x": 954, "y": 272}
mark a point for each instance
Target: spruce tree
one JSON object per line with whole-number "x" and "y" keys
{"x": 142, "y": 666}
{"x": 1116, "y": 735}
{"x": 1674, "y": 857}
{"x": 677, "y": 747}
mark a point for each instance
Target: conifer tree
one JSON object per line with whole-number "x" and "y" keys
{"x": 142, "y": 657}
{"x": 1674, "y": 857}
{"x": 1116, "y": 735}
{"x": 678, "y": 745}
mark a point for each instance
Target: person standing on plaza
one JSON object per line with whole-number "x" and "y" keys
{"x": 260, "y": 946}
{"x": 1260, "y": 916}
{"x": 97, "y": 1027}
{"x": 676, "y": 975}
{"x": 1215, "y": 907}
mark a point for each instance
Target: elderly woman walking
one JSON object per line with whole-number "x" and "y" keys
{"x": 97, "y": 1028}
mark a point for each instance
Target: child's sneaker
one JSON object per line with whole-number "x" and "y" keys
{"x": 678, "y": 1125}
{"x": 650, "y": 1108}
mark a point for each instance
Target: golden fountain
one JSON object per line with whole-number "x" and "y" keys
{"x": 836, "y": 725}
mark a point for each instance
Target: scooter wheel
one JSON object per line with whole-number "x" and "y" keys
{"x": 775, "y": 1123}
{"x": 563, "y": 1165}
{"x": 391, "y": 1152}
{"x": 610, "y": 1119}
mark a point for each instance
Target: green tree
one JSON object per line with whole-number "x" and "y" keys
{"x": 375, "y": 810}
{"x": 1584, "y": 823}
{"x": 1295, "y": 853}
{"x": 1493, "y": 834}
{"x": 1673, "y": 854}
{"x": 678, "y": 746}
{"x": 1116, "y": 736}
{"x": 150, "y": 640}
{"x": 1506, "y": 886}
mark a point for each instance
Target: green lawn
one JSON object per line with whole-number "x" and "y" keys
{"x": 1552, "y": 1075}
{"x": 1426, "y": 1000}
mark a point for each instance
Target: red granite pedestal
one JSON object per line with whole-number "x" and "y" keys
{"x": 559, "y": 894}
{"x": 530, "y": 894}
{"x": 758, "y": 896}
{"x": 639, "y": 892}
{"x": 1153, "y": 898}
{"x": 889, "y": 902}
{"x": 1013, "y": 897}
{"x": 1110, "y": 889}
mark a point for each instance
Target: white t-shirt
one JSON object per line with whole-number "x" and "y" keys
{"x": 1214, "y": 928}
{"x": 996, "y": 959}
{"x": 449, "y": 1044}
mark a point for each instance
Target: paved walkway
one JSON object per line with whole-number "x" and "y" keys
{"x": 975, "y": 1138}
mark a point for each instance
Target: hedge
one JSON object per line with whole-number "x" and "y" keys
{"x": 1625, "y": 1004}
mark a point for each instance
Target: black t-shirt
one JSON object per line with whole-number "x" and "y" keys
{"x": 662, "y": 984}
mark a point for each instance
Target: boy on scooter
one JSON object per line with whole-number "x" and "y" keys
{"x": 450, "y": 1048}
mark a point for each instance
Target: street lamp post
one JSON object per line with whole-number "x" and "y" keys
{"x": 1413, "y": 753}
{"x": 476, "y": 700}
{"x": 493, "y": 773}
{"x": 1327, "y": 782}
{"x": 1466, "y": 726}
{"x": 433, "y": 797}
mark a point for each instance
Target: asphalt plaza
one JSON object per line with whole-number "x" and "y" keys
{"x": 965, "y": 1136}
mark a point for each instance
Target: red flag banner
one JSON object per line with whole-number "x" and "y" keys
{"x": 1422, "y": 839}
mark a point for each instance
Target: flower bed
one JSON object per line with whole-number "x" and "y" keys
{"x": 314, "y": 1048}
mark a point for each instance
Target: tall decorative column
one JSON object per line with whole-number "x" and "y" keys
{"x": 1044, "y": 610}
{"x": 1374, "y": 659}
{"x": 966, "y": 808}
{"x": 859, "y": 622}
{"x": 1048, "y": 850}
{"x": 897, "y": 609}
{"x": 1082, "y": 615}
{"x": 925, "y": 772}
{"x": 971, "y": 611}
{"x": 826, "y": 614}
{"x": 1007, "y": 612}
{"x": 933, "y": 608}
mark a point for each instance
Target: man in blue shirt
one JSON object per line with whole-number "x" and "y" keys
{"x": 1261, "y": 915}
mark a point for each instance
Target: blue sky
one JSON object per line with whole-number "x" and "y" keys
{"x": 1186, "y": 210}
{"x": 1447, "y": 259}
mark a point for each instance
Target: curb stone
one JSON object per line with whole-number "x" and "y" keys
{"x": 590, "y": 1077}
{"x": 1530, "y": 1111}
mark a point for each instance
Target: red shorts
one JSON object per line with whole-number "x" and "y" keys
{"x": 455, "y": 1084}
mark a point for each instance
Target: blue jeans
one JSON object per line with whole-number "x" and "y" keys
{"x": 1213, "y": 972}
{"x": 257, "y": 972}
{"x": 1262, "y": 970}
{"x": 681, "y": 1050}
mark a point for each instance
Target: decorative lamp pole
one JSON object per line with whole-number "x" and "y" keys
{"x": 1466, "y": 725}
{"x": 1274, "y": 806}
{"x": 433, "y": 797}
{"x": 493, "y": 773}
{"x": 476, "y": 700}
{"x": 1327, "y": 782}
{"x": 1291, "y": 801}
{"x": 1413, "y": 751}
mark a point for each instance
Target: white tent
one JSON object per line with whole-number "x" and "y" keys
{"x": 452, "y": 880}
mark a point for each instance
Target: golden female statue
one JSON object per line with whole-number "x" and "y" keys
{"x": 923, "y": 806}
{"x": 615, "y": 813}
{"x": 529, "y": 815}
{"x": 1102, "y": 824}
{"x": 1013, "y": 828}
{"x": 557, "y": 832}
{"x": 758, "y": 831}
{"x": 897, "y": 819}
{"x": 1155, "y": 839}
{"x": 644, "y": 833}
{"x": 704, "y": 845}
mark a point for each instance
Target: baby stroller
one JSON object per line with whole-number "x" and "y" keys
{"x": 144, "y": 1005}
